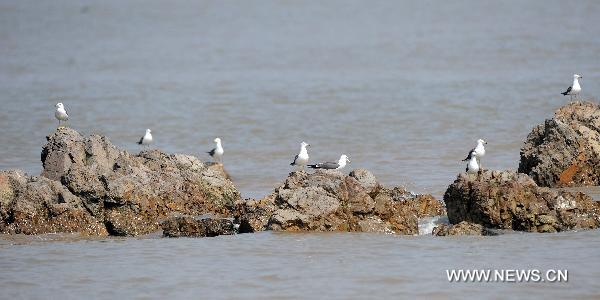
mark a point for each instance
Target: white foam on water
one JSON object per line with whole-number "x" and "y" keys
{"x": 426, "y": 225}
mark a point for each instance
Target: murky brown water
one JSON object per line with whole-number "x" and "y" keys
{"x": 292, "y": 266}
{"x": 403, "y": 88}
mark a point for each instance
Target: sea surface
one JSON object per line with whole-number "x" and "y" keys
{"x": 295, "y": 266}
{"x": 404, "y": 88}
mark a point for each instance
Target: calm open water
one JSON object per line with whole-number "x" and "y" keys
{"x": 403, "y": 87}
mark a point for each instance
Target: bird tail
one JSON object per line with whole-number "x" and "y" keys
{"x": 313, "y": 166}
{"x": 564, "y": 93}
{"x": 292, "y": 164}
{"x": 139, "y": 143}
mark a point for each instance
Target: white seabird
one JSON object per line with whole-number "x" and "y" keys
{"x": 217, "y": 151}
{"x": 61, "y": 113}
{"x": 341, "y": 163}
{"x": 302, "y": 158}
{"x": 146, "y": 139}
{"x": 575, "y": 88}
{"x": 479, "y": 150}
{"x": 472, "y": 165}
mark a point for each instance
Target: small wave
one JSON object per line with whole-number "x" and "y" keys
{"x": 426, "y": 225}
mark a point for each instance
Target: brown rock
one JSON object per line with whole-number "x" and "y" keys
{"x": 34, "y": 205}
{"x": 96, "y": 183}
{"x": 565, "y": 150}
{"x": 510, "y": 200}
{"x": 331, "y": 201}
{"x": 185, "y": 226}
{"x": 253, "y": 215}
{"x": 462, "y": 228}
{"x": 366, "y": 179}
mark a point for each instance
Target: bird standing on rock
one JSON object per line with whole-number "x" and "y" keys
{"x": 340, "y": 164}
{"x": 60, "y": 114}
{"x": 479, "y": 150}
{"x": 472, "y": 165}
{"x": 217, "y": 151}
{"x": 575, "y": 88}
{"x": 146, "y": 139}
{"x": 302, "y": 158}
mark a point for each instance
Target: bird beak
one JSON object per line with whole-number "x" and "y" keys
{"x": 347, "y": 159}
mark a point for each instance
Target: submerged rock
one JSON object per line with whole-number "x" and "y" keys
{"x": 565, "y": 150}
{"x": 510, "y": 200}
{"x": 184, "y": 226}
{"x": 462, "y": 228}
{"x": 331, "y": 201}
{"x": 89, "y": 186}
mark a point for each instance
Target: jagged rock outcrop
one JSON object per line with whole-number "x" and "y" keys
{"x": 186, "y": 226}
{"x": 89, "y": 186}
{"x": 565, "y": 150}
{"x": 462, "y": 228}
{"x": 331, "y": 201}
{"x": 35, "y": 205}
{"x": 510, "y": 200}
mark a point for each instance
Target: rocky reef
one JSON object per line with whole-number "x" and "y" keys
{"x": 511, "y": 200}
{"x": 331, "y": 201}
{"x": 89, "y": 186}
{"x": 565, "y": 150}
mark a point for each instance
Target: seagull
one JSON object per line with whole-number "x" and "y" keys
{"x": 217, "y": 151}
{"x": 146, "y": 139}
{"x": 340, "y": 164}
{"x": 575, "y": 88}
{"x": 472, "y": 165}
{"x": 60, "y": 114}
{"x": 479, "y": 150}
{"x": 302, "y": 158}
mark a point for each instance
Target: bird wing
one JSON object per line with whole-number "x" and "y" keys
{"x": 212, "y": 152}
{"x": 469, "y": 155}
{"x": 568, "y": 91}
{"x": 325, "y": 165}
{"x": 294, "y": 162}
{"x": 141, "y": 140}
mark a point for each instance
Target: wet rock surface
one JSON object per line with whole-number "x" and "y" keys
{"x": 565, "y": 150}
{"x": 186, "y": 226}
{"x": 331, "y": 201}
{"x": 511, "y": 200}
{"x": 89, "y": 186}
{"x": 462, "y": 228}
